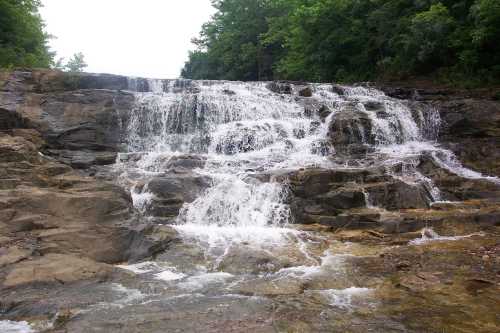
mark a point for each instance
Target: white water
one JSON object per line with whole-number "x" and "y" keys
{"x": 429, "y": 235}
{"x": 344, "y": 298}
{"x": 7, "y": 326}
{"x": 242, "y": 130}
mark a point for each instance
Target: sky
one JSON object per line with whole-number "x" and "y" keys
{"x": 147, "y": 38}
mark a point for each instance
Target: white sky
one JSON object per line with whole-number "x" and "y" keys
{"x": 149, "y": 38}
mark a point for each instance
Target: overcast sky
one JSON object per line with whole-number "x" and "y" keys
{"x": 149, "y": 38}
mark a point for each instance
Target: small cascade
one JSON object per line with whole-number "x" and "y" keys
{"x": 447, "y": 160}
{"x": 240, "y": 130}
{"x": 236, "y": 211}
{"x": 429, "y": 235}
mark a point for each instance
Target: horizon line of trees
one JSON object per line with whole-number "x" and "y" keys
{"x": 349, "y": 40}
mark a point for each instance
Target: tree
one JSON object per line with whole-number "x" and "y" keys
{"x": 349, "y": 40}
{"x": 76, "y": 63}
{"x": 22, "y": 39}
{"x": 230, "y": 46}
{"x": 427, "y": 45}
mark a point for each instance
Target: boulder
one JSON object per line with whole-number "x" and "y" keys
{"x": 338, "y": 89}
{"x": 350, "y": 131}
{"x": 396, "y": 195}
{"x": 172, "y": 191}
{"x": 306, "y": 92}
{"x": 280, "y": 87}
{"x": 56, "y": 269}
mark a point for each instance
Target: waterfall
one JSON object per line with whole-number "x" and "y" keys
{"x": 243, "y": 130}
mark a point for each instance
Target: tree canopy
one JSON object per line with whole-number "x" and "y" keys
{"x": 23, "y": 42}
{"x": 347, "y": 40}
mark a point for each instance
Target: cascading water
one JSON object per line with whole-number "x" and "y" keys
{"x": 227, "y": 145}
{"x": 216, "y": 165}
{"x": 243, "y": 130}
{"x": 240, "y": 129}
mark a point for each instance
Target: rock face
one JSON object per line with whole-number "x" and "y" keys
{"x": 338, "y": 198}
{"x": 56, "y": 268}
{"x": 351, "y": 131}
{"x": 470, "y": 123}
{"x": 80, "y": 126}
{"x": 48, "y": 208}
{"x": 77, "y": 197}
{"x": 170, "y": 193}
{"x": 57, "y": 224}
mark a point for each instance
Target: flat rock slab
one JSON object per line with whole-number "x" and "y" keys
{"x": 56, "y": 268}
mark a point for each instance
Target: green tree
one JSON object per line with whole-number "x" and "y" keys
{"x": 22, "y": 39}
{"x": 427, "y": 44}
{"x": 76, "y": 63}
{"x": 349, "y": 40}
{"x": 230, "y": 46}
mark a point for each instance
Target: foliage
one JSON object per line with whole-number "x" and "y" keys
{"x": 347, "y": 40}
{"x": 23, "y": 43}
{"x": 76, "y": 63}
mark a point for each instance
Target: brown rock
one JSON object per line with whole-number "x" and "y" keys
{"x": 306, "y": 92}
{"x": 13, "y": 255}
{"x": 56, "y": 268}
{"x": 17, "y": 149}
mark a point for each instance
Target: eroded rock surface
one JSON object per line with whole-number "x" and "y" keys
{"x": 470, "y": 123}
{"x": 304, "y": 207}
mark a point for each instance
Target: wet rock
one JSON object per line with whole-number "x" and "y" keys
{"x": 186, "y": 162}
{"x": 184, "y": 85}
{"x": 343, "y": 198}
{"x": 306, "y": 92}
{"x": 373, "y": 106}
{"x": 347, "y": 220}
{"x": 83, "y": 159}
{"x": 299, "y": 133}
{"x": 56, "y": 268}
{"x": 242, "y": 141}
{"x": 350, "y": 130}
{"x": 324, "y": 111}
{"x": 172, "y": 191}
{"x": 60, "y": 211}
{"x": 229, "y": 92}
{"x": 469, "y": 125}
{"x": 338, "y": 89}
{"x": 280, "y": 87}
{"x": 148, "y": 241}
{"x": 454, "y": 187}
{"x": 478, "y": 286}
{"x": 396, "y": 195}
{"x": 245, "y": 259}
{"x": 28, "y": 134}
{"x": 419, "y": 282}
{"x": 261, "y": 287}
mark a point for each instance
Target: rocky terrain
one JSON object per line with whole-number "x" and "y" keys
{"x": 70, "y": 216}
